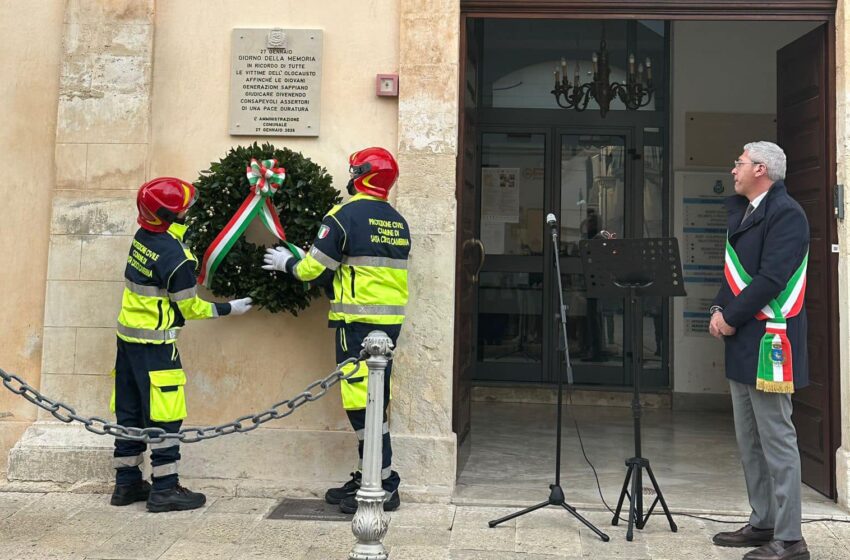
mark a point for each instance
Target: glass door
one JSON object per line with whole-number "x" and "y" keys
{"x": 593, "y": 180}
{"x": 512, "y": 299}
{"x": 593, "y": 171}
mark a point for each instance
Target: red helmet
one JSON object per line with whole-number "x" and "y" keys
{"x": 160, "y": 200}
{"x": 374, "y": 171}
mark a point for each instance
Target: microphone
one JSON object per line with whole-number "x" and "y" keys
{"x": 553, "y": 225}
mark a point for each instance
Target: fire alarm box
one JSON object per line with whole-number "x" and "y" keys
{"x": 386, "y": 85}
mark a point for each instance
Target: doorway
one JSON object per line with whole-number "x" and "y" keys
{"x": 620, "y": 173}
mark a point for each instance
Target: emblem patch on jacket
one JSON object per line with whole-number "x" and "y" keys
{"x": 324, "y": 231}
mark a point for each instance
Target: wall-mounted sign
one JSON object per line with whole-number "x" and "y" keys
{"x": 275, "y": 82}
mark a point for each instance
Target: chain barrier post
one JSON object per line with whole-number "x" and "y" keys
{"x": 370, "y": 523}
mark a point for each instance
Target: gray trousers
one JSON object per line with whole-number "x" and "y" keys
{"x": 767, "y": 442}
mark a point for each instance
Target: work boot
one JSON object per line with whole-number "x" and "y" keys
{"x": 780, "y": 550}
{"x": 350, "y": 488}
{"x": 745, "y": 536}
{"x": 126, "y": 494}
{"x": 391, "y": 503}
{"x": 175, "y": 499}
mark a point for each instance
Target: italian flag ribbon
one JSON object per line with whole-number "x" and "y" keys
{"x": 775, "y": 372}
{"x": 265, "y": 180}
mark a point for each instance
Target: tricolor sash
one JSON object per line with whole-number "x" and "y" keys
{"x": 775, "y": 372}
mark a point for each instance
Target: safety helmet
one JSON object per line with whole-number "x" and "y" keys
{"x": 374, "y": 171}
{"x": 160, "y": 200}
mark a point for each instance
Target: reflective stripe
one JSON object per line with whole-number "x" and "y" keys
{"x": 384, "y": 262}
{"x": 188, "y": 293}
{"x": 361, "y": 433}
{"x": 132, "y": 461}
{"x": 164, "y": 470}
{"x": 165, "y": 444}
{"x": 327, "y": 261}
{"x": 355, "y": 309}
{"x": 385, "y": 473}
{"x": 150, "y": 291}
{"x": 148, "y": 334}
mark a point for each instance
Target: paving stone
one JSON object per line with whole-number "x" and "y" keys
{"x": 185, "y": 549}
{"x": 501, "y": 538}
{"x": 417, "y": 536}
{"x": 261, "y": 506}
{"x": 150, "y": 537}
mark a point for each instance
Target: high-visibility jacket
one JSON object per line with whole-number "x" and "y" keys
{"x": 365, "y": 242}
{"x": 160, "y": 289}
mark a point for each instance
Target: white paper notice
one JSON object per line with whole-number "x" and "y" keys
{"x": 500, "y": 194}
{"x": 493, "y": 237}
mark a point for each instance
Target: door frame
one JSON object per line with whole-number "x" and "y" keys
{"x": 681, "y": 10}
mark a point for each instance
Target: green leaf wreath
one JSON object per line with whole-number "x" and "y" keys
{"x": 306, "y": 196}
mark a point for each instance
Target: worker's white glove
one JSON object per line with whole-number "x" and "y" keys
{"x": 240, "y": 306}
{"x": 277, "y": 257}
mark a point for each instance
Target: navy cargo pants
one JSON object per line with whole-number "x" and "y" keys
{"x": 134, "y": 365}
{"x": 349, "y": 343}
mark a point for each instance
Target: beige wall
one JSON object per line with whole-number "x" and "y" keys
{"x": 144, "y": 91}
{"x": 30, "y": 55}
{"x": 241, "y": 364}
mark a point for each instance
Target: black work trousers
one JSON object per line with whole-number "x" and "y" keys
{"x": 133, "y": 363}
{"x": 349, "y": 343}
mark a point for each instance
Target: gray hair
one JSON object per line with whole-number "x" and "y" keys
{"x": 771, "y": 155}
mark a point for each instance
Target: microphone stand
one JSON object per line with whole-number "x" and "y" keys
{"x": 556, "y": 494}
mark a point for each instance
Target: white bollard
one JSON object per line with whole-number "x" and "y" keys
{"x": 370, "y": 523}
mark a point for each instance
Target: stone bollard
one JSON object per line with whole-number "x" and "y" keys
{"x": 370, "y": 523}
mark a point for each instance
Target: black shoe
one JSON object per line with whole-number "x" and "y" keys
{"x": 350, "y": 488}
{"x": 175, "y": 499}
{"x": 391, "y": 503}
{"x": 745, "y": 536}
{"x": 780, "y": 550}
{"x": 126, "y": 494}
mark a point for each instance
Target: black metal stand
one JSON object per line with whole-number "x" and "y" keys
{"x": 642, "y": 267}
{"x": 556, "y": 493}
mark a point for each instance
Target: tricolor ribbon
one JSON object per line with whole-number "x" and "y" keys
{"x": 774, "y": 372}
{"x": 265, "y": 180}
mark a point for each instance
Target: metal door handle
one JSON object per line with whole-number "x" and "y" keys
{"x": 481, "y": 260}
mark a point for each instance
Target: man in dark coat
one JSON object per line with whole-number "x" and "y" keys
{"x": 759, "y": 315}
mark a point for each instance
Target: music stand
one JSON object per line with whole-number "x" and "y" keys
{"x": 634, "y": 269}
{"x": 556, "y": 493}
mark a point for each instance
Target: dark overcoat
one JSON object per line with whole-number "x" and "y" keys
{"x": 770, "y": 244}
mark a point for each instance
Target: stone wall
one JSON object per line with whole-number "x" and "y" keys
{"x": 144, "y": 95}
{"x": 101, "y": 151}
{"x": 30, "y": 55}
{"x": 427, "y": 152}
{"x": 842, "y": 126}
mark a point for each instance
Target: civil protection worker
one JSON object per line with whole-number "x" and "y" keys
{"x": 160, "y": 294}
{"x": 363, "y": 244}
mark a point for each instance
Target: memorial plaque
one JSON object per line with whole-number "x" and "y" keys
{"x": 275, "y": 82}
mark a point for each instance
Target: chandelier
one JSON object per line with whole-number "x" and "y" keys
{"x": 635, "y": 93}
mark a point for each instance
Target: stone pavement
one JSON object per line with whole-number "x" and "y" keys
{"x": 56, "y": 525}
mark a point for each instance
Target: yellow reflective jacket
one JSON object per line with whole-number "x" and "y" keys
{"x": 160, "y": 289}
{"x": 365, "y": 243}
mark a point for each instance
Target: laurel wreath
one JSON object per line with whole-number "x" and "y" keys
{"x": 306, "y": 196}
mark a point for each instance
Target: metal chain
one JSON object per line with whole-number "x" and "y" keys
{"x": 101, "y": 426}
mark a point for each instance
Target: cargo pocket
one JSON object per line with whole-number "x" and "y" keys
{"x": 355, "y": 389}
{"x": 168, "y": 401}
{"x": 112, "y": 398}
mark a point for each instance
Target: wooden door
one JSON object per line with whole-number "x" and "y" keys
{"x": 805, "y": 132}
{"x": 470, "y": 250}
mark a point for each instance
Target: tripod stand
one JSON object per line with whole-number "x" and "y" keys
{"x": 640, "y": 267}
{"x": 556, "y": 494}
